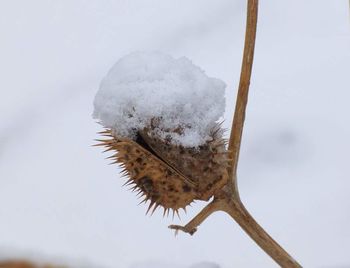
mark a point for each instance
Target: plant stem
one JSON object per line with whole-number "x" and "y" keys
{"x": 243, "y": 90}
{"x": 239, "y": 213}
{"x": 234, "y": 207}
{"x": 228, "y": 199}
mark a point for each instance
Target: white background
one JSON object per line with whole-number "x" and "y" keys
{"x": 58, "y": 196}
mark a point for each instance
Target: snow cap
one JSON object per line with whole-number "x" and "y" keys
{"x": 146, "y": 85}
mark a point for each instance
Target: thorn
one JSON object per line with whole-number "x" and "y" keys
{"x": 105, "y": 135}
{"x": 128, "y": 182}
{"x": 105, "y": 131}
{"x": 143, "y": 201}
{"x": 150, "y": 206}
{"x": 108, "y": 149}
{"x": 99, "y": 144}
{"x": 154, "y": 209}
{"x": 124, "y": 172}
{"x": 112, "y": 156}
{"x": 133, "y": 189}
{"x": 125, "y": 175}
{"x": 139, "y": 193}
{"x": 177, "y": 213}
{"x": 104, "y": 141}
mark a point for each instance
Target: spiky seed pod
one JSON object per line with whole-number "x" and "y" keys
{"x": 206, "y": 165}
{"x": 153, "y": 177}
{"x": 166, "y": 174}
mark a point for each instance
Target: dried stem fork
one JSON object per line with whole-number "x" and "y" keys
{"x": 228, "y": 199}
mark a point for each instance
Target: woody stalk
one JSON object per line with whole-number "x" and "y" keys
{"x": 228, "y": 199}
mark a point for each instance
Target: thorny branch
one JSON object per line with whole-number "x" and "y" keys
{"x": 228, "y": 199}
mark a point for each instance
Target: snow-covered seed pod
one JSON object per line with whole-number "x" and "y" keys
{"x": 161, "y": 116}
{"x": 205, "y": 166}
{"x": 167, "y": 175}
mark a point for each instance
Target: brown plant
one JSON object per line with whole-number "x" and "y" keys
{"x": 172, "y": 176}
{"x": 24, "y": 264}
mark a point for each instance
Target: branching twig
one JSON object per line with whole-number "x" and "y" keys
{"x": 191, "y": 227}
{"x": 228, "y": 199}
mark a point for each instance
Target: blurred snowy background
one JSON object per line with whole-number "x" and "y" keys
{"x": 59, "y": 198}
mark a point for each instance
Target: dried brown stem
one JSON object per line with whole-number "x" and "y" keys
{"x": 235, "y": 207}
{"x": 243, "y": 90}
{"x": 239, "y": 213}
{"x": 191, "y": 227}
{"x": 228, "y": 199}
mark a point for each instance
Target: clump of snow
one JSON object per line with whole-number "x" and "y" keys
{"x": 144, "y": 86}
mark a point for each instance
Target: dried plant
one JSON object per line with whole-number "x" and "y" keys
{"x": 24, "y": 264}
{"x": 172, "y": 176}
{"x": 168, "y": 175}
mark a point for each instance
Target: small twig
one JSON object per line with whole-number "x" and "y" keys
{"x": 191, "y": 227}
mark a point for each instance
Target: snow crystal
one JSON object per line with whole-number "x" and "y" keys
{"x": 147, "y": 87}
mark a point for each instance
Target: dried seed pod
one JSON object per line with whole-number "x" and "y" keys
{"x": 160, "y": 111}
{"x": 168, "y": 175}
{"x": 156, "y": 181}
{"x": 205, "y": 165}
